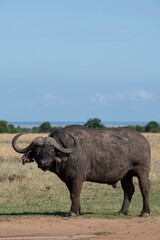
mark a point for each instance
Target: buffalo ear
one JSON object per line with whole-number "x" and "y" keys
{"x": 61, "y": 159}
{"x": 58, "y": 159}
{"x": 26, "y": 159}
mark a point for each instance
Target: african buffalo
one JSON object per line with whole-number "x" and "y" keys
{"x": 77, "y": 154}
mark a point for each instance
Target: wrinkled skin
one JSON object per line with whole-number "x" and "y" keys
{"x": 102, "y": 156}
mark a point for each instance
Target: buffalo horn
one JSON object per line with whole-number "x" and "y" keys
{"x": 38, "y": 141}
{"x": 51, "y": 141}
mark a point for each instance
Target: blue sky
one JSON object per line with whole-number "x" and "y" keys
{"x": 71, "y": 60}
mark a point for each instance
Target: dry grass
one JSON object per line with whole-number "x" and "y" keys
{"x": 154, "y": 140}
{"x": 6, "y": 151}
{"x": 28, "y": 190}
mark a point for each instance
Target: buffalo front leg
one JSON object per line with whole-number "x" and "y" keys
{"x": 75, "y": 187}
{"x": 128, "y": 188}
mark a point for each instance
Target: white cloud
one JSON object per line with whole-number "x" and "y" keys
{"x": 109, "y": 98}
{"x": 98, "y": 98}
{"x": 116, "y": 96}
{"x": 49, "y": 99}
{"x": 106, "y": 99}
{"x": 141, "y": 94}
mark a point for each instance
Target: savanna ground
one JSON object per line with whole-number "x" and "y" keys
{"x": 33, "y": 203}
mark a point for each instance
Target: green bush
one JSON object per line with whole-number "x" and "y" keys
{"x": 4, "y": 126}
{"x": 45, "y": 127}
{"x": 12, "y": 129}
{"x": 94, "y": 123}
{"x": 152, "y": 127}
{"x": 138, "y": 128}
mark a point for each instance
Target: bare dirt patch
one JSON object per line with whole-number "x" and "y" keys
{"x": 43, "y": 228}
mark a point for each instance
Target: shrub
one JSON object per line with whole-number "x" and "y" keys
{"x": 94, "y": 123}
{"x": 45, "y": 127}
{"x": 152, "y": 127}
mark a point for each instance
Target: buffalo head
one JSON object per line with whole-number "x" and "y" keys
{"x": 43, "y": 150}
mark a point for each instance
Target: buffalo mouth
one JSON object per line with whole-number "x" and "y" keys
{"x": 44, "y": 167}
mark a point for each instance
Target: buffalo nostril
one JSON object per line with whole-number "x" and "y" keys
{"x": 43, "y": 163}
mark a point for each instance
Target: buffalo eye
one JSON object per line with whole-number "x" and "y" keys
{"x": 37, "y": 152}
{"x": 52, "y": 152}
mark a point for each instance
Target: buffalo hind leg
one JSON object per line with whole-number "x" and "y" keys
{"x": 145, "y": 188}
{"x": 128, "y": 188}
{"x": 75, "y": 189}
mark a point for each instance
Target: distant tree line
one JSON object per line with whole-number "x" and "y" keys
{"x": 10, "y": 128}
{"x": 45, "y": 127}
{"x": 152, "y": 126}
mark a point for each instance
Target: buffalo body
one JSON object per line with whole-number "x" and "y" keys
{"x": 102, "y": 156}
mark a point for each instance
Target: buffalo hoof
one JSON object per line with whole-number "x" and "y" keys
{"x": 121, "y": 213}
{"x": 72, "y": 215}
{"x": 114, "y": 185}
{"x": 144, "y": 215}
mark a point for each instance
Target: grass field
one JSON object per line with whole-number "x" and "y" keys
{"x": 27, "y": 190}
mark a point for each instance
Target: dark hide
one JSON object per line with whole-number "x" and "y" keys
{"x": 102, "y": 156}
